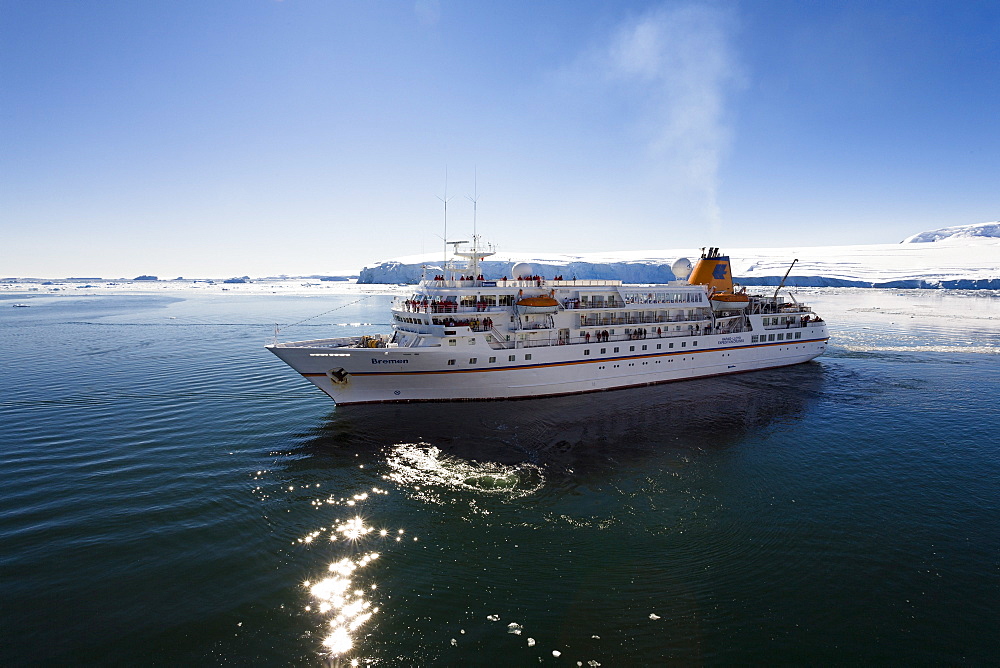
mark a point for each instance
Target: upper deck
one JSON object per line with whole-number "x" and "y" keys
{"x": 436, "y": 284}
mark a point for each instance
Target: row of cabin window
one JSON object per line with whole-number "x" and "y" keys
{"x": 659, "y": 346}
{"x": 510, "y": 358}
{"x": 527, "y": 356}
{"x": 661, "y": 297}
{"x": 770, "y": 337}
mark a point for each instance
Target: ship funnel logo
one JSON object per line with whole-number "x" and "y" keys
{"x": 719, "y": 272}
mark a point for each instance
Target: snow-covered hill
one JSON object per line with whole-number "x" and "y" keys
{"x": 988, "y": 230}
{"x": 966, "y": 257}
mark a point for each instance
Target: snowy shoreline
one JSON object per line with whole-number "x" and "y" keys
{"x": 957, "y": 258}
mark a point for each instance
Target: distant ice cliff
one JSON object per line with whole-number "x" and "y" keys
{"x": 963, "y": 257}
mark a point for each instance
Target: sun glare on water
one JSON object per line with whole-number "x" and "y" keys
{"x": 342, "y": 597}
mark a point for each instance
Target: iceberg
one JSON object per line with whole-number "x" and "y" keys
{"x": 962, "y": 257}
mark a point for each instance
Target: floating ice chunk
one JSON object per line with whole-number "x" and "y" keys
{"x": 531, "y": 642}
{"x": 654, "y": 616}
{"x": 493, "y": 618}
{"x": 514, "y": 628}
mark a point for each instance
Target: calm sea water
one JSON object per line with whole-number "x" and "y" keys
{"x": 173, "y": 495}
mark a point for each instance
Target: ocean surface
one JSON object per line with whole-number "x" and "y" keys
{"x": 172, "y": 494}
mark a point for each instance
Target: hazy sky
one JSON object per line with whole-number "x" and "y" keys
{"x": 193, "y": 138}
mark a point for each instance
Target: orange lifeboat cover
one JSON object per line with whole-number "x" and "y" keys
{"x": 729, "y": 297}
{"x": 537, "y": 301}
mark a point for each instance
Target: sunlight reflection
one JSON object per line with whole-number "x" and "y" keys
{"x": 337, "y": 595}
{"x": 343, "y": 597}
{"x": 354, "y": 528}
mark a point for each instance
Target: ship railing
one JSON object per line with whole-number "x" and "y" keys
{"x": 339, "y": 342}
{"x": 523, "y": 283}
{"x": 409, "y": 306}
{"x": 797, "y": 323}
{"x": 499, "y": 340}
{"x": 411, "y": 328}
{"x": 598, "y": 321}
{"x": 654, "y": 302}
{"x": 767, "y": 305}
{"x": 576, "y": 305}
{"x": 583, "y": 340}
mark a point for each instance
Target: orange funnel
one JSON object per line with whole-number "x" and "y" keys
{"x": 713, "y": 270}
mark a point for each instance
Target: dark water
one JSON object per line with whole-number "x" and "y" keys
{"x": 174, "y": 495}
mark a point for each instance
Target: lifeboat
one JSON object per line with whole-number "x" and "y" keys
{"x": 729, "y": 301}
{"x": 537, "y": 305}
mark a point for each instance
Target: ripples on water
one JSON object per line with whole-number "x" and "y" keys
{"x": 174, "y": 494}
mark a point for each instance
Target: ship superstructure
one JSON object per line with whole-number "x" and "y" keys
{"x": 462, "y": 336}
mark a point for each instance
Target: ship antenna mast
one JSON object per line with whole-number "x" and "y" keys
{"x": 475, "y": 237}
{"x": 445, "y": 200}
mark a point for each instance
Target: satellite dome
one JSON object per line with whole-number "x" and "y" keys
{"x": 681, "y": 268}
{"x": 522, "y": 269}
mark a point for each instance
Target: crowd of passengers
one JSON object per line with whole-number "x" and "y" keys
{"x": 485, "y": 325}
{"x": 536, "y": 278}
{"x": 438, "y": 306}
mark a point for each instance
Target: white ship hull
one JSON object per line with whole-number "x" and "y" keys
{"x": 375, "y": 375}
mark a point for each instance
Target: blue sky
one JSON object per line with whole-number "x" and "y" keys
{"x": 192, "y": 138}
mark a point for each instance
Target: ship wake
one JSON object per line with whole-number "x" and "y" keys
{"x": 423, "y": 468}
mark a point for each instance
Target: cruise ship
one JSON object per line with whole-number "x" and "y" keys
{"x": 463, "y": 336}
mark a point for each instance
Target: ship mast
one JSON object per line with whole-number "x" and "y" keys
{"x": 445, "y": 200}
{"x": 474, "y": 198}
